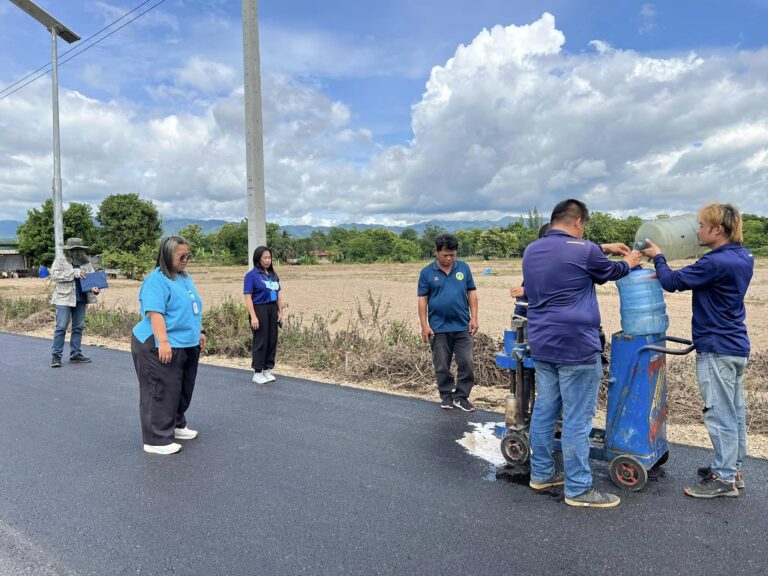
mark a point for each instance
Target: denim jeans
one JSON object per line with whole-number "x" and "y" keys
{"x": 721, "y": 384}
{"x": 572, "y": 389}
{"x": 446, "y": 346}
{"x": 63, "y": 316}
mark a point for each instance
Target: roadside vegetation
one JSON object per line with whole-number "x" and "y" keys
{"x": 126, "y": 230}
{"x": 371, "y": 346}
{"x": 374, "y": 348}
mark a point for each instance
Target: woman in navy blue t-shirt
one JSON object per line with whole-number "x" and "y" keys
{"x": 261, "y": 288}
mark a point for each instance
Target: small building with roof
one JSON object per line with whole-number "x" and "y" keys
{"x": 11, "y": 260}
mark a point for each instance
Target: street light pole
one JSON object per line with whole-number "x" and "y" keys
{"x": 56, "y": 28}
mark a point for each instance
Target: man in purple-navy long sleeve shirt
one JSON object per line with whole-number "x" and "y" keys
{"x": 719, "y": 281}
{"x": 560, "y": 271}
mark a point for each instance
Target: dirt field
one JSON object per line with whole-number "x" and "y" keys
{"x": 333, "y": 291}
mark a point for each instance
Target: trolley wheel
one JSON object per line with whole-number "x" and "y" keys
{"x": 628, "y": 473}
{"x": 661, "y": 461}
{"x": 515, "y": 448}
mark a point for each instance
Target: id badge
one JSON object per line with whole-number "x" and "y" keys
{"x": 195, "y": 308}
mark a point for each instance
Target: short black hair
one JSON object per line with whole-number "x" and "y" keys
{"x": 569, "y": 211}
{"x": 544, "y": 229}
{"x": 446, "y": 242}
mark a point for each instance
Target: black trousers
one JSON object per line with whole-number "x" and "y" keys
{"x": 264, "y": 343}
{"x": 165, "y": 390}
{"x": 446, "y": 346}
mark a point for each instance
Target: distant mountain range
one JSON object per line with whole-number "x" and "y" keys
{"x": 8, "y": 228}
{"x": 174, "y": 225}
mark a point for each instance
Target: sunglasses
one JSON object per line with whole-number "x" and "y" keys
{"x": 185, "y": 257}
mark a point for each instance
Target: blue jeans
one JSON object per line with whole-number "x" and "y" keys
{"x": 572, "y": 389}
{"x": 63, "y": 316}
{"x": 721, "y": 384}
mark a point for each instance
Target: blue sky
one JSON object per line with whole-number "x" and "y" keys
{"x": 396, "y": 111}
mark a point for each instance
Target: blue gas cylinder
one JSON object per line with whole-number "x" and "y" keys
{"x": 643, "y": 310}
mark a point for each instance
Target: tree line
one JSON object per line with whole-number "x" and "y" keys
{"x": 126, "y": 230}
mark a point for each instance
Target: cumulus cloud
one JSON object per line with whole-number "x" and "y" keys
{"x": 510, "y": 122}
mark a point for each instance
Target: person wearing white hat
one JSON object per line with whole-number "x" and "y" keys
{"x": 70, "y": 300}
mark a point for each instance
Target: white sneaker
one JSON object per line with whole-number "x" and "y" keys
{"x": 162, "y": 450}
{"x": 184, "y": 433}
{"x": 269, "y": 375}
{"x": 260, "y": 378}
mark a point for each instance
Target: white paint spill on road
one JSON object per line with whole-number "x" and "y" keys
{"x": 482, "y": 443}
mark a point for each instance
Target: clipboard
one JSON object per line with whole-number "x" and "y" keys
{"x": 96, "y": 279}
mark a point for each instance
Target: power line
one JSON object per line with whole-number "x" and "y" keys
{"x": 47, "y": 66}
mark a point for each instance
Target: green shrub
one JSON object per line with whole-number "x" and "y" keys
{"x": 21, "y": 310}
{"x": 133, "y": 265}
{"x": 110, "y": 323}
{"x": 228, "y": 329}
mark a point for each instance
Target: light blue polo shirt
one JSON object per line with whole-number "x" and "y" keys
{"x": 447, "y": 299}
{"x": 178, "y": 301}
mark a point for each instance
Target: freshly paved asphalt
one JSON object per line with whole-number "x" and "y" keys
{"x": 306, "y": 478}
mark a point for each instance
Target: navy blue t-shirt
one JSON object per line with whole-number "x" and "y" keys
{"x": 719, "y": 281}
{"x": 80, "y": 296}
{"x": 447, "y": 300}
{"x": 262, "y": 286}
{"x": 560, "y": 272}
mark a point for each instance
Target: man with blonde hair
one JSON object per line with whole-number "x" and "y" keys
{"x": 719, "y": 281}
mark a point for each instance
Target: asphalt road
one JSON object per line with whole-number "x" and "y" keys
{"x": 306, "y": 478}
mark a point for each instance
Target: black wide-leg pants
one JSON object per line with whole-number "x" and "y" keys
{"x": 165, "y": 390}
{"x": 264, "y": 344}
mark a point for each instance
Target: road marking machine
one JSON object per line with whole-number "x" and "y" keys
{"x": 634, "y": 440}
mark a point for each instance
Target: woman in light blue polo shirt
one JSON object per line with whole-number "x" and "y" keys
{"x": 261, "y": 289}
{"x": 166, "y": 347}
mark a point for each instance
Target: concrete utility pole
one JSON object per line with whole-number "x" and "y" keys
{"x": 254, "y": 131}
{"x": 56, "y": 28}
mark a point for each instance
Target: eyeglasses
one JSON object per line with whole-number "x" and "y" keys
{"x": 185, "y": 257}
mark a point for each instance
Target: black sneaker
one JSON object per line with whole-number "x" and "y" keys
{"x": 593, "y": 499}
{"x": 78, "y": 359}
{"x": 446, "y": 403}
{"x": 463, "y": 404}
{"x": 712, "y": 487}
{"x": 556, "y": 479}
{"x": 706, "y": 472}
{"x": 55, "y": 361}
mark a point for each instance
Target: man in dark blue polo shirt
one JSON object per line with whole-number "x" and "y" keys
{"x": 560, "y": 271}
{"x": 448, "y": 317}
{"x": 719, "y": 281}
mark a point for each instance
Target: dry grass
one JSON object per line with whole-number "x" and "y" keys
{"x": 684, "y": 402}
{"x": 357, "y": 325}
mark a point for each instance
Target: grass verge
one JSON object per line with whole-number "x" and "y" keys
{"x": 372, "y": 347}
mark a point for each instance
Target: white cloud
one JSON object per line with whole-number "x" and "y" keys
{"x": 316, "y": 53}
{"x": 509, "y": 123}
{"x": 206, "y": 76}
{"x": 615, "y": 127}
{"x": 647, "y": 18}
